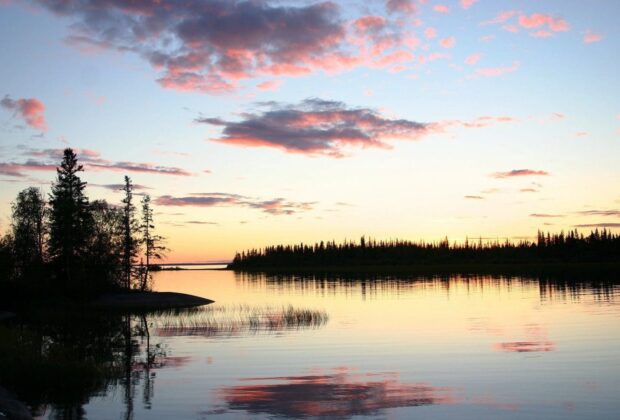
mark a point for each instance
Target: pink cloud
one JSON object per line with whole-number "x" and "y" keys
{"x": 91, "y": 159}
{"x": 210, "y": 46}
{"x": 440, "y": 8}
{"x": 276, "y": 206}
{"x": 481, "y": 122}
{"x": 511, "y": 28}
{"x": 139, "y": 167}
{"x": 270, "y": 85}
{"x": 16, "y": 169}
{"x": 466, "y": 4}
{"x": 487, "y": 38}
{"x": 394, "y": 58}
{"x": 542, "y": 34}
{"x": 437, "y": 56}
{"x": 501, "y": 17}
{"x": 430, "y": 32}
{"x": 544, "y": 25}
{"x": 30, "y": 110}
{"x": 473, "y": 59}
{"x": 589, "y": 37}
{"x": 536, "y": 20}
{"x": 328, "y": 128}
{"x": 496, "y": 71}
{"x": 317, "y": 127}
{"x": 449, "y": 42}
{"x": 519, "y": 173}
{"x": 401, "y": 6}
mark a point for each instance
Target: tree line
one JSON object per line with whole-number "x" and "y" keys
{"x": 69, "y": 244}
{"x": 597, "y": 246}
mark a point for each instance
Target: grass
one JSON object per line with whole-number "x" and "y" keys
{"x": 233, "y": 320}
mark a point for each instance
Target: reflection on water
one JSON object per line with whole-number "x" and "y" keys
{"x": 526, "y": 346}
{"x": 549, "y": 288}
{"x": 536, "y": 340}
{"x": 320, "y": 346}
{"x": 341, "y": 393}
{"x": 235, "y": 320}
{"x": 97, "y": 352}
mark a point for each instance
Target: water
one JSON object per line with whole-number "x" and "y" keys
{"x": 458, "y": 348}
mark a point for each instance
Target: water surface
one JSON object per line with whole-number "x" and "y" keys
{"x": 452, "y": 347}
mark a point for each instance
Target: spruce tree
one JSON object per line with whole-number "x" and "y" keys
{"x": 70, "y": 221}
{"x": 130, "y": 227}
{"x": 29, "y": 231}
{"x": 153, "y": 244}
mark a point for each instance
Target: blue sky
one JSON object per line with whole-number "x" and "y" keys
{"x": 380, "y": 128}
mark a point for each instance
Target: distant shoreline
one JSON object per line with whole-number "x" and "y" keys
{"x": 455, "y": 268}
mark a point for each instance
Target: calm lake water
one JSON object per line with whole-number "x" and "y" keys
{"x": 455, "y": 348}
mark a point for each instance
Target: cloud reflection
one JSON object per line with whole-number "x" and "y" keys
{"x": 526, "y": 346}
{"x": 340, "y": 393}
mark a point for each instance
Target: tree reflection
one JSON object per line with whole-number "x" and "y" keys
{"x": 603, "y": 289}
{"x": 55, "y": 361}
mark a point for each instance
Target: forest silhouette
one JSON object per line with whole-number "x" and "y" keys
{"x": 599, "y": 246}
{"x": 71, "y": 246}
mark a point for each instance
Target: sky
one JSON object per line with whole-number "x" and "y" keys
{"x": 252, "y": 123}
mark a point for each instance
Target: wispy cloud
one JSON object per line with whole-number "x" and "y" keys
{"x": 17, "y": 169}
{"x": 590, "y": 37}
{"x": 598, "y": 225}
{"x": 430, "y": 32}
{"x": 316, "y": 127}
{"x": 542, "y": 20}
{"x": 546, "y": 215}
{"x": 449, "y": 42}
{"x": 519, "y": 173}
{"x": 474, "y": 197}
{"x": 541, "y": 25}
{"x": 210, "y": 46}
{"x": 466, "y": 4}
{"x": 320, "y": 127}
{"x": 614, "y": 213}
{"x": 473, "y": 59}
{"x": 497, "y": 71}
{"x": 276, "y": 206}
{"x": 401, "y": 6}
{"x": 200, "y": 222}
{"x": 270, "y": 85}
{"x": 119, "y": 187}
{"x": 31, "y": 110}
{"x": 49, "y": 159}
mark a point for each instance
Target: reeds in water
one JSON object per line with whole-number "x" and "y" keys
{"x": 233, "y": 320}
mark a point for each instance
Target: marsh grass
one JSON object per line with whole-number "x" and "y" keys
{"x": 231, "y": 320}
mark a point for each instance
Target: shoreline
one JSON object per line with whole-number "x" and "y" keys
{"x": 556, "y": 268}
{"x": 149, "y": 300}
{"x": 123, "y": 300}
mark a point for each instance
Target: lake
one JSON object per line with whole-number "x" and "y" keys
{"x": 449, "y": 347}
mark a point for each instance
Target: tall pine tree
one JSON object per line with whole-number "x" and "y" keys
{"x": 70, "y": 221}
{"x": 130, "y": 228}
{"x": 153, "y": 244}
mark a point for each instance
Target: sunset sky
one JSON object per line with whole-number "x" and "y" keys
{"x": 258, "y": 122}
